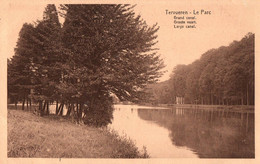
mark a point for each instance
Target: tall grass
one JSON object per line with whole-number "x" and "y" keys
{"x": 55, "y": 137}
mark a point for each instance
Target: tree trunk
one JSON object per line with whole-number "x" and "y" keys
{"x": 61, "y": 110}
{"x": 80, "y": 110}
{"x": 247, "y": 97}
{"x": 44, "y": 106}
{"x": 15, "y": 104}
{"x": 211, "y": 98}
{"x": 72, "y": 111}
{"x": 30, "y": 104}
{"x": 47, "y": 108}
{"x": 27, "y": 103}
{"x": 77, "y": 109}
{"x": 23, "y": 104}
{"x": 57, "y": 107}
{"x": 69, "y": 110}
{"x": 40, "y": 108}
{"x": 79, "y": 113}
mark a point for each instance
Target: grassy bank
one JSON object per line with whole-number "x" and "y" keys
{"x": 55, "y": 137}
{"x": 241, "y": 108}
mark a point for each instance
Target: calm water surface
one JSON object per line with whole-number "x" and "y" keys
{"x": 194, "y": 133}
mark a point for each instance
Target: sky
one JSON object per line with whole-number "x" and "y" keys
{"x": 228, "y": 21}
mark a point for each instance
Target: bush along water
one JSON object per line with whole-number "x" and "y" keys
{"x": 100, "y": 113}
{"x": 127, "y": 147}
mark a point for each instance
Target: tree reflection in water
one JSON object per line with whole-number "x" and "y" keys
{"x": 209, "y": 133}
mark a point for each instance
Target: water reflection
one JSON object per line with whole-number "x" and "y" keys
{"x": 146, "y": 133}
{"x": 188, "y": 132}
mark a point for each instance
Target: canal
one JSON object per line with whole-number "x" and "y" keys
{"x": 186, "y": 132}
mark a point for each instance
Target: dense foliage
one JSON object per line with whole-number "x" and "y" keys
{"x": 100, "y": 51}
{"x": 223, "y": 76}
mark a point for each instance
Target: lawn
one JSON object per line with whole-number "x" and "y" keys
{"x": 30, "y": 135}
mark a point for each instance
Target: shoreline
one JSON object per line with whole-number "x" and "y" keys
{"x": 240, "y": 108}
{"x": 235, "y": 108}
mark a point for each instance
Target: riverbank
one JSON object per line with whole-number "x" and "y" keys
{"x": 240, "y": 108}
{"x": 55, "y": 137}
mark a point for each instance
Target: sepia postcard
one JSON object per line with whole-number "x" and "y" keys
{"x": 129, "y": 81}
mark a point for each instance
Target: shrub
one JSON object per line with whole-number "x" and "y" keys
{"x": 99, "y": 114}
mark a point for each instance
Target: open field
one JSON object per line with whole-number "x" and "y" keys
{"x": 55, "y": 137}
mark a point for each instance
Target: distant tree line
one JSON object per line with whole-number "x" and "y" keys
{"x": 223, "y": 76}
{"x": 99, "y": 52}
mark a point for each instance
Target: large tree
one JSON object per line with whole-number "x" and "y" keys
{"x": 108, "y": 50}
{"x": 45, "y": 60}
{"x": 19, "y": 67}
